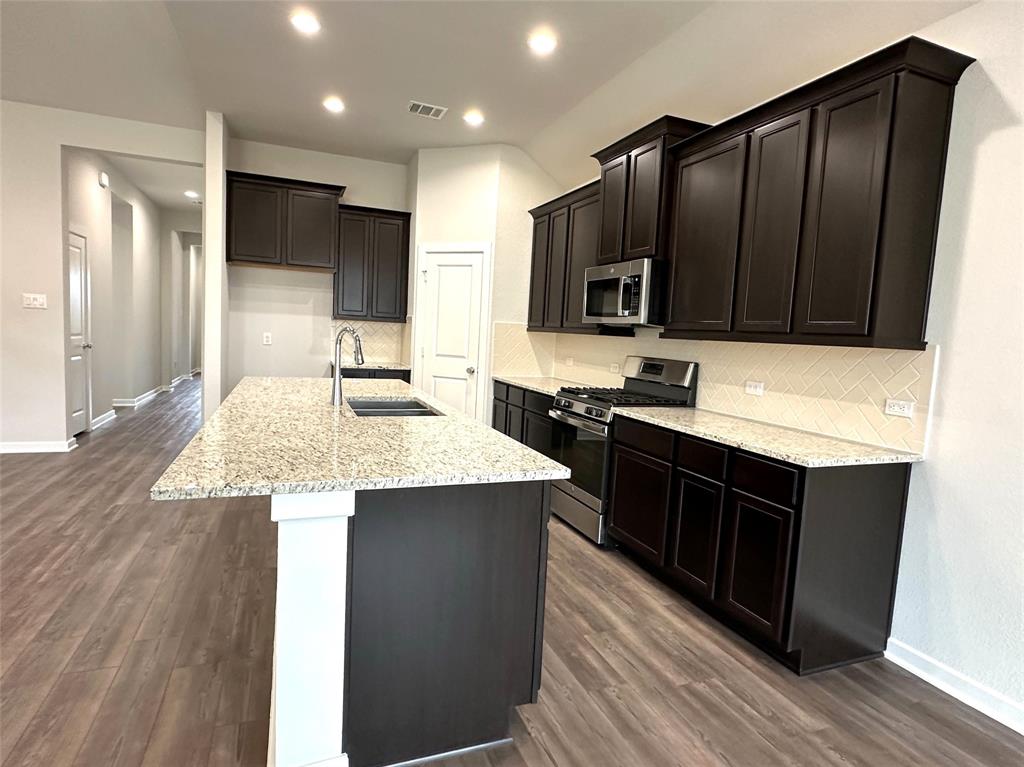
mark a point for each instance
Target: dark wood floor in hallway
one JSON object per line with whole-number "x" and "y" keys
{"x": 140, "y": 633}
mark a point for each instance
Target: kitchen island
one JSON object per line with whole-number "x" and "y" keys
{"x": 411, "y": 566}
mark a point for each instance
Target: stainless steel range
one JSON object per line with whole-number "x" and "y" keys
{"x": 582, "y": 416}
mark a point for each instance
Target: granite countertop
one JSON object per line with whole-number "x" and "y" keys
{"x": 282, "y": 435}
{"x": 376, "y": 366}
{"x": 542, "y": 384}
{"x": 792, "y": 445}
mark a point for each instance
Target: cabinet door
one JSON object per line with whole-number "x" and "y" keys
{"x": 555, "y": 294}
{"x": 614, "y": 175}
{"x": 844, "y": 207}
{"x": 256, "y": 222}
{"x": 705, "y": 236}
{"x": 352, "y": 277}
{"x": 390, "y": 268}
{"x": 584, "y": 232}
{"x": 756, "y": 549}
{"x": 776, "y": 177}
{"x": 499, "y": 416}
{"x": 312, "y": 229}
{"x": 639, "y": 498}
{"x": 693, "y": 555}
{"x": 539, "y": 271}
{"x": 643, "y": 200}
{"x": 539, "y": 434}
{"x": 514, "y": 423}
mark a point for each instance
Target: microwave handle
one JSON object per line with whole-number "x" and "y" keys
{"x": 622, "y": 291}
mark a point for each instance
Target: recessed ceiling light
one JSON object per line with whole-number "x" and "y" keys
{"x": 192, "y": 195}
{"x": 334, "y": 104}
{"x": 542, "y": 41}
{"x": 305, "y": 22}
{"x": 474, "y": 117}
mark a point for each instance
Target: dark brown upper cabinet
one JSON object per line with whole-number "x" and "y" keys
{"x": 312, "y": 227}
{"x": 776, "y": 177}
{"x": 840, "y": 213}
{"x": 614, "y": 174}
{"x": 705, "y": 236}
{"x": 352, "y": 278}
{"x": 539, "y": 269}
{"x": 584, "y": 233}
{"x": 281, "y": 222}
{"x": 844, "y": 210}
{"x": 371, "y": 281}
{"x": 634, "y": 206}
{"x": 565, "y": 239}
{"x": 554, "y": 300}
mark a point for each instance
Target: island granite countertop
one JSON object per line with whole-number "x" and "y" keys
{"x": 802, "y": 448}
{"x": 282, "y": 435}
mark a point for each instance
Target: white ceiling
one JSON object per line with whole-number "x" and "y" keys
{"x": 163, "y": 182}
{"x": 167, "y": 62}
{"x": 618, "y": 65}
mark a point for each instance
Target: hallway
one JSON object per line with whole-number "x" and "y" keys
{"x": 133, "y": 632}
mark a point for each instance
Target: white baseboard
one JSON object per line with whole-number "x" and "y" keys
{"x": 991, "y": 703}
{"x": 107, "y": 417}
{"x": 55, "y": 446}
{"x": 142, "y": 399}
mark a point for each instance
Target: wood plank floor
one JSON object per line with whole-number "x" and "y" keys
{"x": 140, "y": 633}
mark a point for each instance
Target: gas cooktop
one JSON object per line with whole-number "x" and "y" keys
{"x": 610, "y": 396}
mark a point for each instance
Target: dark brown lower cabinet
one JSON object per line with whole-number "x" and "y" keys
{"x": 755, "y": 572}
{"x": 397, "y": 375}
{"x": 693, "y": 559}
{"x": 800, "y": 561}
{"x": 640, "y": 491}
{"x": 539, "y": 433}
{"x": 514, "y": 422}
{"x": 499, "y": 416}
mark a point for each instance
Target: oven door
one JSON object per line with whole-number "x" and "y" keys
{"x": 581, "y": 447}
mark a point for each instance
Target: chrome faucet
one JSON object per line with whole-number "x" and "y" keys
{"x": 357, "y": 356}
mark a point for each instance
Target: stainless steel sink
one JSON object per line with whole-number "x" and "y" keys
{"x": 391, "y": 408}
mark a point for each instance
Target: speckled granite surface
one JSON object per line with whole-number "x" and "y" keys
{"x": 799, "y": 447}
{"x": 538, "y": 384}
{"x": 376, "y": 366}
{"x": 282, "y": 435}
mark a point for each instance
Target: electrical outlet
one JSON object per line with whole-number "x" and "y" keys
{"x": 33, "y": 300}
{"x": 569, "y": 362}
{"x": 755, "y": 387}
{"x": 266, "y": 339}
{"x": 614, "y": 367}
{"x": 900, "y": 407}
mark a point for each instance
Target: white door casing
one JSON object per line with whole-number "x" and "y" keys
{"x": 450, "y": 323}
{"x": 79, "y": 359}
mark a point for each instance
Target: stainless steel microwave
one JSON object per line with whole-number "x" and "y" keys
{"x": 624, "y": 293}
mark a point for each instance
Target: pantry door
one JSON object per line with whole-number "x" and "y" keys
{"x": 450, "y": 322}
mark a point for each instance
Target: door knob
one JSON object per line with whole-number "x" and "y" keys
{"x": 471, "y": 370}
{"x": 86, "y": 346}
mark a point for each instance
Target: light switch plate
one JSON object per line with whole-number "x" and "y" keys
{"x": 614, "y": 367}
{"x": 33, "y": 300}
{"x": 266, "y": 339}
{"x": 899, "y": 407}
{"x": 569, "y": 362}
{"x": 755, "y": 387}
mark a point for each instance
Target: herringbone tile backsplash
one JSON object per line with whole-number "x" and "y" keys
{"x": 831, "y": 390}
{"x": 382, "y": 341}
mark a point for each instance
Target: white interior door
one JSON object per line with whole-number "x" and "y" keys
{"x": 449, "y": 318}
{"x": 78, "y": 344}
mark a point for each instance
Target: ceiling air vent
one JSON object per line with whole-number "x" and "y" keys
{"x": 427, "y": 110}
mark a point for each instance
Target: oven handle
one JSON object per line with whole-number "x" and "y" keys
{"x": 593, "y": 428}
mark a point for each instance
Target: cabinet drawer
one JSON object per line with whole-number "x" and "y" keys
{"x": 500, "y": 391}
{"x": 517, "y": 396}
{"x": 766, "y": 479}
{"x": 538, "y": 403}
{"x": 700, "y": 457}
{"x": 650, "y": 439}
